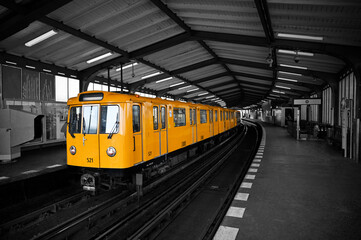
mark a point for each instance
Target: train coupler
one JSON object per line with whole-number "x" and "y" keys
{"x": 88, "y": 182}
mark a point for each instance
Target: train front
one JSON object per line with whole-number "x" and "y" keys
{"x": 96, "y": 135}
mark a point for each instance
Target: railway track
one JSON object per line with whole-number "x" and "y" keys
{"x": 123, "y": 212}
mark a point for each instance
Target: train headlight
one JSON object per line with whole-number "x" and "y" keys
{"x": 72, "y": 150}
{"x": 111, "y": 151}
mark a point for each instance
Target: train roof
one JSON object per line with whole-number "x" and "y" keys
{"x": 91, "y": 97}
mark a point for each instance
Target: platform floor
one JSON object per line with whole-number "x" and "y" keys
{"x": 34, "y": 162}
{"x": 296, "y": 190}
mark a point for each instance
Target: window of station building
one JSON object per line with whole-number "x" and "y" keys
{"x": 155, "y": 118}
{"x": 98, "y": 87}
{"x": 61, "y": 89}
{"x": 136, "y": 118}
{"x": 179, "y": 116}
{"x": 162, "y": 115}
{"x": 109, "y": 119}
{"x": 65, "y": 88}
{"x": 73, "y": 87}
{"x": 216, "y": 116}
{"x": 203, "y": 115}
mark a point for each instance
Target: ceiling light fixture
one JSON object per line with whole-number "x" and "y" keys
{"x": 127, "y": 66}
{"x": 192, "y": 90}
{"x": 151, "y": 75}
{"x": 299, "y": 36}
{"x": 308, "y": 54}
{"x": 210, "y": 97}
{"x": 278, "y": 86}
{"x": 184, "y": 87}
{"x": 12, "y": 63}
{"x": 99, "y": 57}
{"x": 163, "y": 80}
{"x": 287, "y": 79}
{"x": 177, "y": 84}
{"x": 278, "y": 92}
{"x": 41, "y": 38}
{"x": 289, "y": 73}
{"x": 292, "y": 66}
{"x": 201, "y": 94}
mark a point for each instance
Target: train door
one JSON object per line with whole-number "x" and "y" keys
{"x": 163, "y": 130}
{"x": 137, "y": 133}
{"x": 154, "y": 140}
{"x": 211, "y": 127}
{"x": 83, "y": 136}
{"x": 192, "y": 113}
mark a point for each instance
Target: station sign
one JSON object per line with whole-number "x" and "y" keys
{"x": 307, "y": 101}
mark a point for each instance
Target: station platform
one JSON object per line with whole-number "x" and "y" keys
{"x": 34, "y": 162}
{"x": 296, "y": 190}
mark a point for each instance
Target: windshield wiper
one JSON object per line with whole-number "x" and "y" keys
{"x": 114, "y": 129}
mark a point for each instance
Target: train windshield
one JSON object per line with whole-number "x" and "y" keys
{"x": 109, "y": 119}
{"x": 75, "y": 120}
{"x": 90, "y": 120}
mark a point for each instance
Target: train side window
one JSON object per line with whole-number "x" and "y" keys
{"x": 194, "y": 117}
{"x": 224, "y": 115}
{"x": 220, "y": 114}
{"x": 190, "y": 117}
{"x": 75, "y": 120}
{"x": 203, "y": 114}
{"x": 210, "y": 116}
{"x": 216, "y": 116}
{"x": 109, "y": 119}
{"x": 162, "y": 116}
{"x": 227, "y": 115}
{"x": 136, "y": 118}
{"x": 179, "y": 115}
{"x": 90, "y": 120}
{"x": 155, "y": 118}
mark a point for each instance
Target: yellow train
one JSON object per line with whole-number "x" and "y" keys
{"x": 113, "y": 131}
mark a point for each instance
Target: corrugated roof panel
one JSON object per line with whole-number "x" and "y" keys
{"x": 239, "y": 51}
{"x": 216, "y": 81}
{"x": 237, "y": 17}
{"x": 204, "y": 72}
{"x": 226, "y": 86}
{"x": 338, "y": 22}
{"x": 292, "y": 86}
{"x": 249, "y": 70}
{"x": 318, "y": 62}
{"x": 252, "y": 86}
{"x": 179, "y": 56}
{"x": 162, "y": 85}
{"x": 253, "y": 80}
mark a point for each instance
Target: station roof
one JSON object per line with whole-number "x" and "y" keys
{"x": 236, "y": 52}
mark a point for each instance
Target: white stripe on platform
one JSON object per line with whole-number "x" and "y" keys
{"x": 235, "y": 212}
{"x": 257, "y": 160}
{"x": 241, "y": 196}
{"x": 226, "y": 233}
{"x": 253, "y": 170}
{"x": 255, "y": 165}
{"x": 250, "y": 176}
{"x": 54, "y": 166}
{"x": 30, "y": 171}
{"x": 3, "y": 178}
{"x": 246, "y": 185}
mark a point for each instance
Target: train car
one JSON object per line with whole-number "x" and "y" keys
{"x": 112, "y": 133}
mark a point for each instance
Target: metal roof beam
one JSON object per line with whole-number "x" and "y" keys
{"x": 195, "y": 66}
{"x": 262, "y": 9}
{"x": 26, "y": 14}
{"x": 164, "y": 8}
{"x": 206, "y": 79}
{"x": 159, "y": 46}
{"x": 343, "y": 52}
